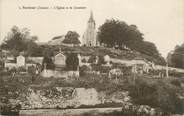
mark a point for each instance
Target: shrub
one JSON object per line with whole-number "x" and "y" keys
{"x": 92, "y": 59}
{"x": 13, "y": 70}
{"x": 31, "y": 70}
{"x": 143, "y": 93}
{"x": 21, "y": 69}
{"x": 84, "y": 60}
{"x": 83, "y": 69}
{"x": 176, "y": 82}
{"x": 158, "y": 94}
{"x": 176, "y": 74}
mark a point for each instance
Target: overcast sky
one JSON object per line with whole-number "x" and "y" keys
{"x": 161, "y": 21}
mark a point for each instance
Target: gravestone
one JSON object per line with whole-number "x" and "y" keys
{"x": 20, "y": 61}
{"x": 107, "y": 59}
{"x": 79, "y": 57}
{"x": 60, "y": 61}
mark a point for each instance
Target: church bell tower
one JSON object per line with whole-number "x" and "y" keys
{"x": 89, "y": 37}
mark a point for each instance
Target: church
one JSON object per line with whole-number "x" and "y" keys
{"x": 90, "y": 35}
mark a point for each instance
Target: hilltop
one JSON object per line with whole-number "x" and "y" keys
{"x": 102, "y": 51}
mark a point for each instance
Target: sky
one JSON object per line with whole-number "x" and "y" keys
{"x": 161, "y": 21}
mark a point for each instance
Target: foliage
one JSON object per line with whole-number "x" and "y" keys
{"x": 21, "y": 69}
{"x": 177, "y": 57}
{"x": 155, "y": 93}
{"x": 13, "y": 70}
{"x": 71, "y": 38}
{"x": 114, "y": 32}
{"x": 158, "y": 94}
{"x": 72, "y": 61}
{"x": 117, "y": 33}
{"x": 31, "y": 70}
{"x": 18, "y": 40}
{"x": 101, "y": 60}
{"x": 83, "y": 69}
{"x": 83, "y": 61}
{"x": 47, "y": 52}
{"x": 176, "y": 82}
{"x": 48, "y": 62}
{"x": 92, "y": 59}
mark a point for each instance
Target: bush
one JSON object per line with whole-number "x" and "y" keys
{"x": 21, "y": 69}
{"x": 176, "y": 74}
{"x": 84, "y": 60}
{"x": 176, "y": 82}
{"x": 72, "y": 62}
{"x": 31, "y": 70}
{"x": 92, "y": 59}
{"x": 83, "y": 69}
{"x": 143, "y": 93}
{"x": 158, "y": 94}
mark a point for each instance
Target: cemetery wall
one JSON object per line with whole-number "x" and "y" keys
{"x": 65, "y": 97}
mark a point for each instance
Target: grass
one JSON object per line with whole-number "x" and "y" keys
{"x": 114, "y": 53}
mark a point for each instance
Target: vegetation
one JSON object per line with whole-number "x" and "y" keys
{"x": 160, "y": 94}
{"x": 163, "y": 94}
{"x": 48, "y": 63}
{"x": 72, "y": 61}
{"x": 71, "y": 38}
{"x": 19, "y": 40}
{"x": 117, "y": 33}
{"x": 177, "y": 57}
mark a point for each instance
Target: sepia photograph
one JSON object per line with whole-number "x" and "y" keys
{"x": 91, "y": 57}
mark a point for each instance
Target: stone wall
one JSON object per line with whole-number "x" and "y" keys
{"x": 67, "y": 97}
{"x": 58, "y": 74}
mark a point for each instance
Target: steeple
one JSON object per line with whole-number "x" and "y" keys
{"x": 91, "y": 19}
{"x": 89, "y": 38}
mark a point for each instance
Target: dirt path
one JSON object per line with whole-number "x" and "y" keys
{"x": 67, "y": 112}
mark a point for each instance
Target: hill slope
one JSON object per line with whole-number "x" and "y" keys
{"x": 114, "y": 53}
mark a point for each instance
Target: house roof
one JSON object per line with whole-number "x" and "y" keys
{"x": 58, "y": 40}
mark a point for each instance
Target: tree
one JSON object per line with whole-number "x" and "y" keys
{"x": 177, "y": 58}
{"x": 48, "y": 62}
{"x": 18, "y": 40}
{"x": 72, "y": 61}
{"x": 115, "y": 33}
{"x": 48, "y": 54}
{"x": 71, "y": 38}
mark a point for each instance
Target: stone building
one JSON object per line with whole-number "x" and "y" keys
{"x": 90, "y": 35}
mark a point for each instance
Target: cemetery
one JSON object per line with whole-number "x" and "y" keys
{"x": 94, "y": 72}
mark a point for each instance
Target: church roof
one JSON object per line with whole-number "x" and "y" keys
{"x": 56, "y": 40}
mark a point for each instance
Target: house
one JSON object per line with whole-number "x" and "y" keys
{"x": 58, "y": 40}
{"x": 62, "y": 40}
